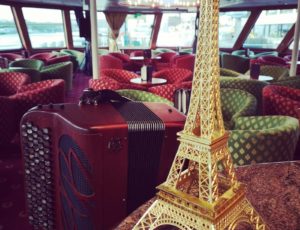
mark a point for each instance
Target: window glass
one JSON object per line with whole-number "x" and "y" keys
{"x": 45, "y": 27}
{"x": 136, "y": 31}
{"x": 9, "y": 37}
{"x": 103, "y": 30}
{"x": 177, "y": 29}
{"x": 77, "y": 40}
{"x": 270, "y": 28}
{"x": 230, "y": 27}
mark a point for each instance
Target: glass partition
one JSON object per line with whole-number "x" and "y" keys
{"x": 230, "y": 27}
{"x": 77, "y": 40}
{"x": 176, "y": 30}
{"x": 45, "y": 27}
{"x": 270, "y": 28}
{"x": 136, "y": 31}
{"x": 9, "y": 36}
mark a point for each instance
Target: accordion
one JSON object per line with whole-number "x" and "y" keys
{"x": 87, "y": 167}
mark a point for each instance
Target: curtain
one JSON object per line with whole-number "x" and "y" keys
{"x": 115, "y": 21}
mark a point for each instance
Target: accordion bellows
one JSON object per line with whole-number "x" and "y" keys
{"x": 88, "y": 167}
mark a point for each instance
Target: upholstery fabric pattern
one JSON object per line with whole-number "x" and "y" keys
{"x": 137, "y": 95}
{"x": 174, "y": 75}
{"x": 10, "y": 82}
{"x": 263, "y": 139}
{"x": 277, "y": 72}
{"x": 281, "y": 100}
{"x": 292, "y": 82}
{"x": 228, "y": 73}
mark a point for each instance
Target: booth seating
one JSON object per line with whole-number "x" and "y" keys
{"x": 261, "y": 139}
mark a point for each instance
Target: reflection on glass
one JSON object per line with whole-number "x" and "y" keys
{"x": 180, "y": 27}
{"x": 77, "y": 40}
{"x": 45, "y": 27}
{"x": 230, "y": 26}
{"x": 270, "y": 28}
{"x": 9, "y": 37}
{"x": 136, "y": 31}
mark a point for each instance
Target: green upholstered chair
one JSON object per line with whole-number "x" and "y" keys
{"x": 289, "y": 81}
{"x": 79, "y": 56}
{"x": 277, "y": 72}
{"x": 27, "y": 63}
{"x": 137, "y": 95}
{"x": 263, "y": 139}
{"x": 254, "y": 87}
{"x": 237, "y": 63}
{"x": 236, "y": 103}
{"x": 228, "y": 73}
{"x": 269, "y": 53}
{"x": 62, "y": 70}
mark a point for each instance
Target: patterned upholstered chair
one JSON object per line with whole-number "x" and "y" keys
{"x": 289, "y": 81}
{"x": 43, "y": 56}
{"x": 43, "y": 92}
{"x": 7, "y": 120}
{"x": 10, "y": 82}
{"x": 165, "y": 60}
{"x": 125, "y": 59}
{"x": 277, "y": 72}
{"x": 236, "y": 103}
{"x": 27, "y": 63}
{"x": 59, "y": 59}
{"x": 185, "y": 61}
{"x": 272, "y": 60}
{"x": 228, "y": 73}
{"x": 11, "y": 56}
{"x": 236, "y": 63}
{"x": 281, "y": 100}
{"x": 63, "y": 70}
{"x": 34, "y": 75}
{"x": 251, "y": 86}
{"x": 263, "y": 139}
{"x": 137, "y": 95}
{"x": 105, "y": 83}
{"x": 109, "y": 62}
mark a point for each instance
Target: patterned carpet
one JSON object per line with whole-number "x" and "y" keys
{"x": 12, "y": 196}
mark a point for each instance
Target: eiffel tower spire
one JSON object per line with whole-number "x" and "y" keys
{"x": 196, "y": 194}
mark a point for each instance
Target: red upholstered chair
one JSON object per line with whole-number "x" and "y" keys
{"x": 104, "y": 83}
{"x": 123, "y": 78}
{"x": 110, "y": 62}
{"x": 165, "y": 61}
{"x": 184, "y": 62}
{"x": 137, "y": 53}
{"x": 280, "y": 100}
{"x": 176, "y": 78}
{"x": 271, "y": 60}
{"x": 7, "y": 120}
{"x": 126, "y": 62}
{"x": 58, "y": 59}
{"x": 11, "y": 56}
{"x": 43, "y": 56}
{"x": 43, "y": 92}
{"x": 10, "y": 82}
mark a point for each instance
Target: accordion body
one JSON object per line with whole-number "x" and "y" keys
{"x": 87, "y": 167}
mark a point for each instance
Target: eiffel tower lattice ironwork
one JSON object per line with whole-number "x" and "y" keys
{"x": 197, "y": 194}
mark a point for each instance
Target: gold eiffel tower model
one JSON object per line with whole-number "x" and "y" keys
{"x": 196, "y": 194}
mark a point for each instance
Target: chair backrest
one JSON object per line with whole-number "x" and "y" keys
{"x": 123, "y": 57}
{"x": 10, "y": 82}
{"x": 236, "y": 63}
{"x": 228, "y": 73}
{"x": 122, "y": 76}
{"x": 166, "y": 57}
{"x": 43, "y": 56}
{"x": 174, "y": 75}
{"x": 186, "y": 61}
{"x": 28, "y": 63}
{"x": 272, "y": 60}
{"x": 110, "y": 62}
{"x": 136, "y": 53}
{"x": 277, "y": 72}
{"x": 11, "y": 56}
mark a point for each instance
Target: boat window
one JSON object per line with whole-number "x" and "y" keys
{"x": 9, "y": 37}
{"x": 103, "y": 30}
{"x": 77, "y": 40}
{"x": 177, "y": 29}
{"x": 45, "y": 27}
{"x": 270, "y": 28}
{"x": 230, "y": 27}
{"x": 136, "y": 31}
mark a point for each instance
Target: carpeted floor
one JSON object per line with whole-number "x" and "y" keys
{"x": 12, "y": 196}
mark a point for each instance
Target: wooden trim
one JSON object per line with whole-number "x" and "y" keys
{"x": 246, "y": 30}
{"x": 156, "y": 27}
{"x": 67, "y": 29}
{"x": 286, "y": 41}
{"x": 22, "y": 27}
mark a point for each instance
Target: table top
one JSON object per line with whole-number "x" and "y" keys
{"x": 154, "y": 81}
{"x": 260, "y": 78}
{"x": 273, "y": 189}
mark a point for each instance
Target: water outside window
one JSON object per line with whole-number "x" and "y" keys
{"x": 270, "y": 28}
{"x": 177, "y": 29}
{"x": 77, "y": 40}
{"x": 103, "y": 30}
{"x": 136, "y": 31}
{"x": 45, "y": 27}
{"x": 9, "y": 37}
{"x": 230, "y": 27}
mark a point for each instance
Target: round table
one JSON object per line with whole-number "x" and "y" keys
{"x": 260, "y": 77}
{"x": 153, "y": 82}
